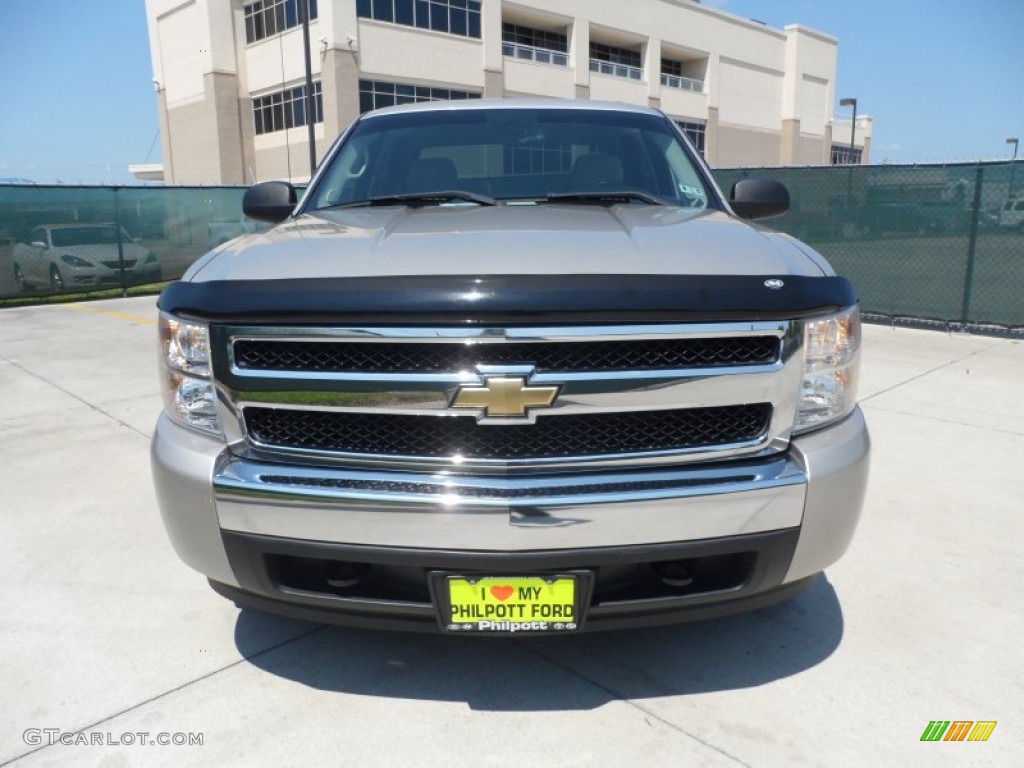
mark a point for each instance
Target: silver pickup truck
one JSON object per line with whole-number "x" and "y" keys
{"x": 510, "y": 367}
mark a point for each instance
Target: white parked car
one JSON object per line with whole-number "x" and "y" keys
{"x": 66, "y": 256}
{"x": 1012, "y": 214}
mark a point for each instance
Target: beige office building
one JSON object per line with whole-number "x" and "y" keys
{"x": 229, "y": 75}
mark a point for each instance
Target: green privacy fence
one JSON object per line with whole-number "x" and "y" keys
{"x": 936, "y": 242}
{"x": 64, "y": 239}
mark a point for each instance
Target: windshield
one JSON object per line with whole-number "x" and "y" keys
{"x": 512, "y": 154}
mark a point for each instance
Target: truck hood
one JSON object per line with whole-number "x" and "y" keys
{"x": 507, "y": 239}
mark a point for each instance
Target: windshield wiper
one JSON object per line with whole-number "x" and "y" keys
{"x": 421, "y": 197}
{"x": 611, "y": 196}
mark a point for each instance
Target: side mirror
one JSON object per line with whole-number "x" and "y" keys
{"x": 271, "y": 201}
{"x": 38, "y": 244}
{"x": 756, "y": 198}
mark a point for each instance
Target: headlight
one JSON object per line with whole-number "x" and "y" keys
{"x": 189, "y": 395}
{"x": 831, "y": 362}
{"x": 75, "y": 261}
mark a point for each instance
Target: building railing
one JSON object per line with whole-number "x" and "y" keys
{"x": 683, "y": 83}
{"x": 534, "y": 54}
{"x": 616, "y": 70}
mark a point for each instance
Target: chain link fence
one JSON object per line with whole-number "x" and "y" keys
{"x": 64, "y": 239}
{"x": 938, "y": 243}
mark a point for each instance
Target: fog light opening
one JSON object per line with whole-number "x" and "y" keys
{"x": 674, "y": 573}
{"x": 341, "y": 575}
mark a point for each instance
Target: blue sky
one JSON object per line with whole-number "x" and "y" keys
{"x": 941, "y": 78}
{"x": 77, "y": 90}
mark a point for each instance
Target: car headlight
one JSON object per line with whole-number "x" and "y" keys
{"x": 831, "y": 362}
{"x": 75, "y": 261}
{"x": 189, "y": 394}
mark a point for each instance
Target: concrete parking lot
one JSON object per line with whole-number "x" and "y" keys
{"x": 104, "y": 633}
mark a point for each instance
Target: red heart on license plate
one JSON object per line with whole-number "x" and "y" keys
{"x": 503, "y": 593}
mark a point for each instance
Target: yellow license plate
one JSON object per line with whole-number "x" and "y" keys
{"x": 508, "y": 604}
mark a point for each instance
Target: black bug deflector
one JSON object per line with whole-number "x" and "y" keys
{"x": 511, "y": 299}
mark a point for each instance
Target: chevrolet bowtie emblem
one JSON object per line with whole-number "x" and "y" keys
{"x": 504, "y": 396}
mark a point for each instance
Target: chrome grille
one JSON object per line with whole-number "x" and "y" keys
{"x": 592, "y": 434}
{"x": 628, "y": 395}
{"x": 628, "y": 355}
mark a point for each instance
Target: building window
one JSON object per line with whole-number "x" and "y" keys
{"x": 285, "y": 109}
{"x": 843, "y": 155}
{"x": 528, "y": 44}
{"x": 695, "y": 132}
{"x": 673, "y": 77}
{"x": 670, "y": 67}
{"x": 535, "y": 38}
{"x": 620, "y": 62}
{"x": 265, "y": 18}
{"x": 456, "y": 17}
{"x": 375, "y": 94}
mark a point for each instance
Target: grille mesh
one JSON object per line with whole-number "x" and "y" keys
{"x": 633, "y": 355}
{"x": 549, "y": 437}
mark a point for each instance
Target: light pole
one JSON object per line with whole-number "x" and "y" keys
{"x": 853, "y": 123}
{"x": 850, "y": 215}
{"x": 310, "y": 97}
{"x": 1013, "y": 166}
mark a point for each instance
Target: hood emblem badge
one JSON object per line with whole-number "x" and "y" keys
{"x": 504, "y": 397}
{"x": 774, "y": 283}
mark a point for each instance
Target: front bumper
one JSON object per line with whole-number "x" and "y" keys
{"x": 90, "y": 276}
{"x": 289, "y": 577}
{"x": 272, "y": 535}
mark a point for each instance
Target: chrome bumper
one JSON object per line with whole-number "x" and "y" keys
{"x": 817, "y": 486}
{"x": 508, "y": 514}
